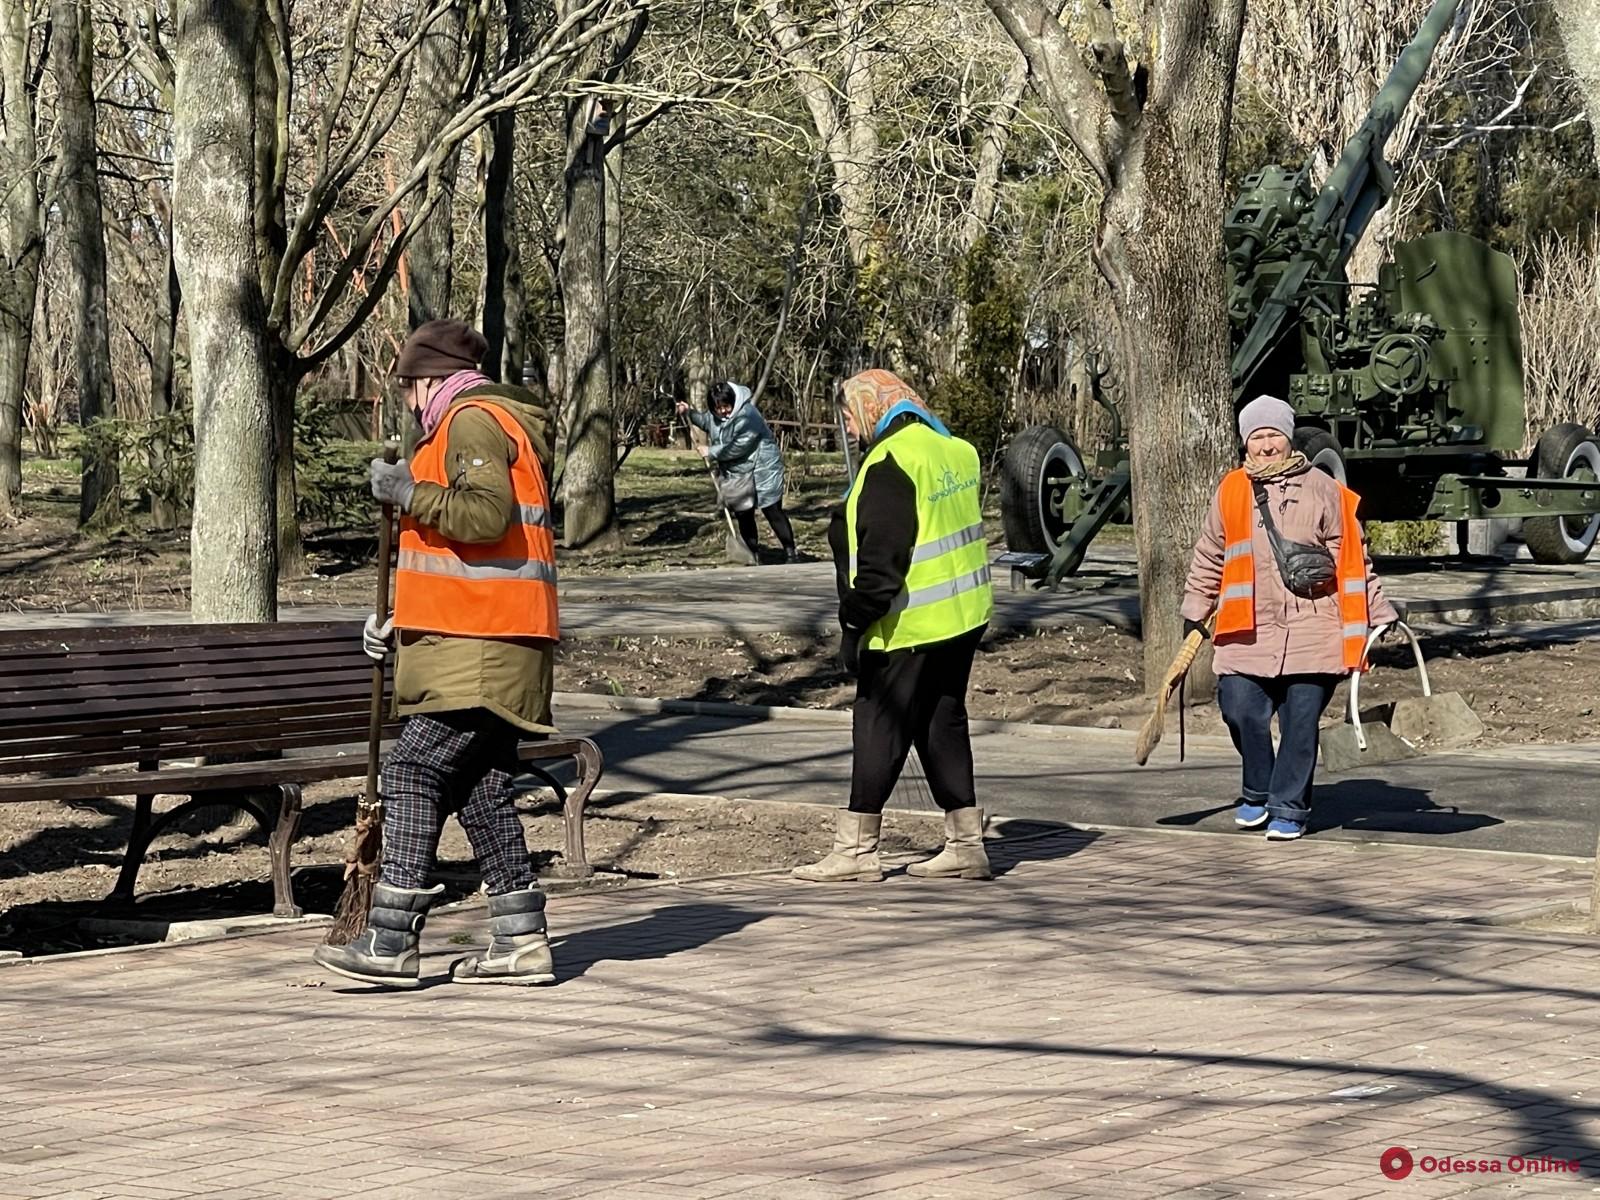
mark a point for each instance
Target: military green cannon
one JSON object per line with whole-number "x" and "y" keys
{"x": 1409, "y": 389}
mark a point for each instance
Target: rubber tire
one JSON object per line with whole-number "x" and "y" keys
{"x": 1022, "y": 486}
{"x": 1550, "y": 539}
{"x": 1324, "y": 451}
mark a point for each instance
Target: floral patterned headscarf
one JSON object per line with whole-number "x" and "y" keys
{"x": 871, "y": 394}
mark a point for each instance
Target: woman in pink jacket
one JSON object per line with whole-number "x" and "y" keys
{"x": 1292, "y": 619}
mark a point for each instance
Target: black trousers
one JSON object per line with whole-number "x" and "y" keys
{"x": 918, "y": 698}
{"x": 1281, "y": 778}
{"x": 776, "y": 517}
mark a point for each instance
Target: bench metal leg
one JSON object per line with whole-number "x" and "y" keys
{"x": 284, "y": 832}
{"x": 139, "y": 839}
{"x": 591, "y": 764}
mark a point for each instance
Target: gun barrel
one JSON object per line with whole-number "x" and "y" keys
{"x": 1384, "y": 114}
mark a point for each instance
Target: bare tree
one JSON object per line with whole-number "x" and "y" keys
{"x": 502, "y": 273}
{"x": 77, "y": 194}
{"x": 1156, "y": 137}
{"x": 21, "y": 235}
{"x": 1579, "y": 21}
{"x": 588, "y": 479}
{"x": 233, "y": 557}
{"x": 450, "y": 59}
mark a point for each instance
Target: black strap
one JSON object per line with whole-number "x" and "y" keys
{"x": 1274, "y": 538}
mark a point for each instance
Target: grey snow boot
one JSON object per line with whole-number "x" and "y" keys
{"x": 519, "y": 950}
{"x": 854, "y": 857}
{"x": 963, "y": 855}
{"x": 386, "y": 954}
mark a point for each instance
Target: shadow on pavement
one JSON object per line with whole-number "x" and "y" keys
{"x": 1375, "y": 806}
{"x": 666, "y": 931}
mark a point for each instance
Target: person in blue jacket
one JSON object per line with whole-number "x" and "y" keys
{"x": 741, "y": 444}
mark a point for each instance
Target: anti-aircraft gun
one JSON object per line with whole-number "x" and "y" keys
{"x": 1409, "y": 389}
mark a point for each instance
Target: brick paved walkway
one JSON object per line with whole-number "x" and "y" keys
{"x": 1127, "y": 1015}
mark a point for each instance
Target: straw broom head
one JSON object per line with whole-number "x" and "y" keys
{"x": 1155, "y": 723}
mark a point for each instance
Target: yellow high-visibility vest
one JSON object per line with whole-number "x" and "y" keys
{"x": 947, "y": 590}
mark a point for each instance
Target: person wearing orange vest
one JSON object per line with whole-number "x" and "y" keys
{"x": 476, "y": 622}
{"x": 1281, "y": 650}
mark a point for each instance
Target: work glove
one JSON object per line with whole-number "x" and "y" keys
{"x": 1195, "y": 627}
{"x": 850, "y": 650}
{"x": 392, "y": 483}
{"x": 377, "y": 640}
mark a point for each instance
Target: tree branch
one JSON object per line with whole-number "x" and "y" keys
{"x": 1066, "y": 85}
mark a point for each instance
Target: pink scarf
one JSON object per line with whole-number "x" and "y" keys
{"x": 433, "y": 412}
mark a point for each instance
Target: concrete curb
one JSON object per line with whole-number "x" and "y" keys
{"x": 593, "y": 702}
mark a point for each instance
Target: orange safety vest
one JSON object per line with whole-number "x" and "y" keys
{"x": 503, "y": 589}
{"x": 1236, "y": 607}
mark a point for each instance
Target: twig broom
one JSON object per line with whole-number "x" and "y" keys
{"x": 366, "y": 850}
{"x": 1171, "y": 682}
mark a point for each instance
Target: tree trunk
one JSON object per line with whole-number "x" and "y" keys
{"x": 21, "y": 242}
{"x": 1167, "y": 287}
{"x": 613, "y": 196}
{"x": 438, "y": 65}
{"x": 273, "y": 102}
{"x": 284, "y": 376}
{"x": 500, "y": 315}
{"x": 589, "y": 475}
{"x": 163, "y": 506}
{"x": 1579, "y": 21}
{"x": 1159, "y": 151}
{"x": 83, "y": 235}
{"x": 985, "y": 199}
{"x": 233, "y": 550}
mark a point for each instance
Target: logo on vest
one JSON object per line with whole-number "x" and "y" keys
{"x": 952, "y": 485}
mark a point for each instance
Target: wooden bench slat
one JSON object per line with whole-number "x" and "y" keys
{"x": 181, "y": 633}
{"x": 167, "y": 664}
{"x": 222, "y": 742}
{"x": 223, "y": 777}
{"x": 90, "y": 694}
{"x": 309, "y": 722}
{"x": 199, "y": 699}
{"x": 113, "y": 663}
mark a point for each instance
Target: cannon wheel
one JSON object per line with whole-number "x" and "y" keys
{"x": 1030, "y": 506}
{"x": 1564, "y": 451}
{"x": 1322, "y": 449}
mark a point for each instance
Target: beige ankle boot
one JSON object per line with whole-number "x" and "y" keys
{"x": 854, "y": 858}
{"x": 963, "y": 855}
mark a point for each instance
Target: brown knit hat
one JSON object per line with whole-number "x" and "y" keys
{"x": 437, "y": 349}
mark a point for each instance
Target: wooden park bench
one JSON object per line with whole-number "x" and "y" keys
{"x": 235, "y": 715}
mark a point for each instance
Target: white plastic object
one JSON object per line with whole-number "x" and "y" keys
{"x": 1355, "y": 676}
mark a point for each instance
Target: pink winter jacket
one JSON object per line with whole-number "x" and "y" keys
{"x": 1293, "y": 636}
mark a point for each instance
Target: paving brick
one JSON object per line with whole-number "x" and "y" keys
{"x": 1137, "y": 1019}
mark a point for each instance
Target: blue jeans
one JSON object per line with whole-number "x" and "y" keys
{"x": 1281, "y": 780}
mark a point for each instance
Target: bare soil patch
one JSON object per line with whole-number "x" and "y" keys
{"x": 1094, "y": 675}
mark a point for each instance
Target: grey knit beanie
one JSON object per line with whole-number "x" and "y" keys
{"x": 1266, "y": 412}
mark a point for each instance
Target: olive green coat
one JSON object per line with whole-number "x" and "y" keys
{"x": 441, "y": 673}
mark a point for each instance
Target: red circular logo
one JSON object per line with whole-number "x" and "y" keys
{"x": 1396, "y": 1162}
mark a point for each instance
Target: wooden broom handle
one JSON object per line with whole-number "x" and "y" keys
{"x": 375, "y": 723}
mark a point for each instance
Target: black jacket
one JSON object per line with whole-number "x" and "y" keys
{"x": 886, "y": 534}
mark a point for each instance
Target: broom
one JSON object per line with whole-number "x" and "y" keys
{"x": 361, "y": 867}
{"x": 1172, "y": 681}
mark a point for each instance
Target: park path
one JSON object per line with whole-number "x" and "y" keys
{"x": 1116, "y": 1015}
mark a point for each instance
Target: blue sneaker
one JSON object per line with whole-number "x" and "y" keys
{"x": 1250, "y": 816}
{"x": 1281, "y": 830}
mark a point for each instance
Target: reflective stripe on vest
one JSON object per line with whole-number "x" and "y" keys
{"x": 506, "y": 588}
{"x": 947, "y": 589}
{"x": 1236, "y": 609}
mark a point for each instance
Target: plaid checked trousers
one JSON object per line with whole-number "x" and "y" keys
{"x": 457, "y": 763}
